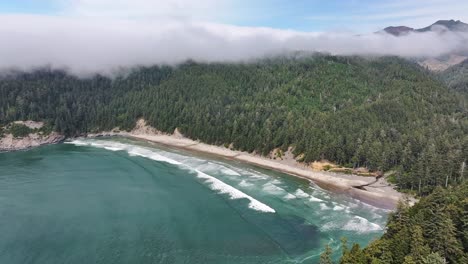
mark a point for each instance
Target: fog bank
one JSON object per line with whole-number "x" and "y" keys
{"x": 86, "y": 46}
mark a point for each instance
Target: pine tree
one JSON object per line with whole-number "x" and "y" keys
{"x": 326, "y": 256}
{"x": 434, "y": 258}
{"x": 418, "y": 247}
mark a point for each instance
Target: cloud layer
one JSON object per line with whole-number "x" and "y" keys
{"x": 87, "y": 45}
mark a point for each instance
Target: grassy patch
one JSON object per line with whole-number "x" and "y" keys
{"x": 19, "y": 130}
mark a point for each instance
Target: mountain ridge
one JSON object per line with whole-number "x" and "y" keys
{"x": 440, "y": 25}
{"x": 435, "y": 64}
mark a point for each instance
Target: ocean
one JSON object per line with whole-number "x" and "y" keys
{"x": 117, "y": 200}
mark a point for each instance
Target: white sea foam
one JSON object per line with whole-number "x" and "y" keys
{"x": 272, "y": 189}
{"x": 145, "y": 153}
{"x": 213, "y": 182}
{"x": 230, "y": 172}
{"x": 234, "y": 193}
{"x": 301, "y": 194}
{"x": 244, "y": 183}
{"x": 338, "y": 208}
{"x": 204, "y": 166}
{"x": 77, "y": 142}
{"x": 324, "y": 207}
{"x": 329, "y": 226}
{"x": 253, "y": 174}
{"x": 315, "y": 199}
{"x": 361, "y": 225}
{"x": 289, "y": 196}
{"x": 276, "y": 181}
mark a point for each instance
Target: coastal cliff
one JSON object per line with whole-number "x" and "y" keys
{"x": 22, "y": 135}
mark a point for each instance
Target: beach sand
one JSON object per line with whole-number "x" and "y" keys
{"x": 379, "y": 194}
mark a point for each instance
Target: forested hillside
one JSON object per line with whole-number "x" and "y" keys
{"x": 384, "y": 114}
{"x": 456, "y": 76}
{"x": 434, "y": 231}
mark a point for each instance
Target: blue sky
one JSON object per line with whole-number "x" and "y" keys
{"x": 301, "y": 15}
{"x": 28, "y": 6}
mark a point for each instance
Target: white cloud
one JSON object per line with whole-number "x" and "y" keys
{"x": 186, "y": 9}
{"x": 92, "y": 45}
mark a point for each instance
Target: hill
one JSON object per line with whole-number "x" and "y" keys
{"x": 440, "y": 26}
{"x": 456, "y": 77}
{"x": 382, "y": 113}
{"x": 399, "y": 30}
{"x": 441, "y": 63}
{"x": 451, "y": 25}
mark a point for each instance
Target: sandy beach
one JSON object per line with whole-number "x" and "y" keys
{"x": 378, "y": 194}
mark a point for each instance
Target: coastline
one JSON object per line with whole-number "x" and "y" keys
{"x": 9, "y": 143}
{"x": 385, "y": 198}
{"x": 376, "y": 193}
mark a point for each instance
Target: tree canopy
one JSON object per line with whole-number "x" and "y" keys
{"x": 381, "y": 113}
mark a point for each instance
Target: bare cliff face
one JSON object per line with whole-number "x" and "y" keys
{"x": 10, "y": 143}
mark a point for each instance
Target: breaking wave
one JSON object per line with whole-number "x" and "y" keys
{"x": 301, "y": 194}
{"x": 269, "y": 187}
{"x": 315, "y": 199}
{"x": 234, "y": 193}
{"x": 361, "y": 225}
{"x": 289, "y": 196}
{"x": 244, "y": 183}
{"x": 213, "y": 183}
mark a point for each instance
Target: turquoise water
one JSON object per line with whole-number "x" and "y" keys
{"x": 123, "y": 201}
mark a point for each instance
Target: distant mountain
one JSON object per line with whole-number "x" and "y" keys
{"x": 441, "y": 25}
{"x": 451, "y": 25}
{"x": 441, "y": 63}
{"x": 398, "y": 31}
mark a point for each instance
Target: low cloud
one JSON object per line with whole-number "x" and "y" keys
{"x": 92, "y": 45}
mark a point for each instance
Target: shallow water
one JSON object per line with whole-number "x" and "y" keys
{"x": 124, "y": 201}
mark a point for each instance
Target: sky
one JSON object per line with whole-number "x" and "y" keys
{"x": 302, "y": 15}
{"x": 89, "y": 36}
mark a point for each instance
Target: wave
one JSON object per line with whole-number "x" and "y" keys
{"x": 244, "y": 183}
{"x": 208, "y": 166}
{"x": 253, "y": 174}
{"x": 213, "y": 182}
{"x": 315, "y": 199}
{"x": 361, "y": 225}
{"x": 301, "y": 194}
{"x": 338, "y": 208}
{"x": 324, "y": 207}
{"x": 230, "y": 172}
{"x": 329, "y": 226}
{"x": 234, "y": 193}
{"x": 356, "y": 224}
{"x": 289, "y": 196}
{"x": 276, "y": 181}
{"x": 131, "y": 149}
{"x": 272, "y": 189}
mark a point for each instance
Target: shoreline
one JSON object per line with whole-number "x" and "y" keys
{"x": 342, "y": 184}
{"x": 8, "y": 143}
{"x": 378, "y": 193}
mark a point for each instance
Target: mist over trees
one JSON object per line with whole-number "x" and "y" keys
{"x": 382, "y": 113}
